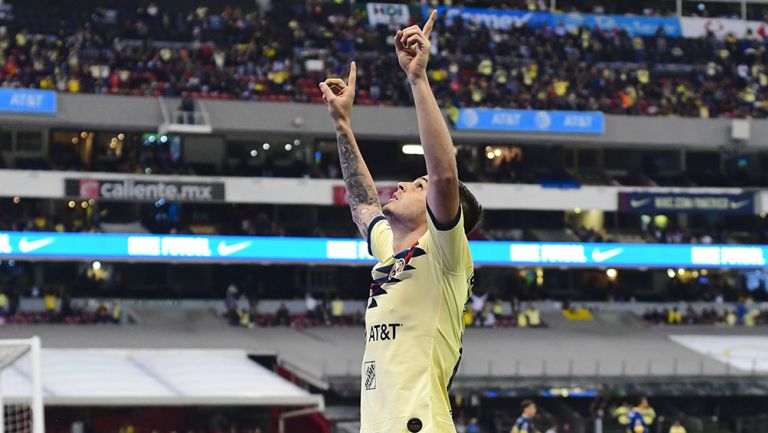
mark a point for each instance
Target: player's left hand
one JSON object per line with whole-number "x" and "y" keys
{"x": 412, "y": 46}
{"x": 339, "y": 97}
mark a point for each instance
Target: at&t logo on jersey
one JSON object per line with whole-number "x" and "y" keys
{"x": 383, "y": 332}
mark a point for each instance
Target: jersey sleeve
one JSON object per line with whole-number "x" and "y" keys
{"x": 380, "y": 238}
{"x": 522, "y": 426}
{"x": 450, "y": 242}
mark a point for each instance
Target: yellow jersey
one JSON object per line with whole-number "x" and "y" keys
{"x": 414, "y": 326}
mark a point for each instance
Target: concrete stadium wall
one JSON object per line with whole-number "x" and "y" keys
{"x": 252, "y": 119}
{"x": 302, "y": 191}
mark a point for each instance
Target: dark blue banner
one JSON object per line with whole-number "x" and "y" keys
{"x": 496, "y": 19}
{"x": 508, "y": 19}
{"x": 730, "y": 204}
{"x": 497, "y": 119}
{"x": 27, "y": 101}
{"x": 633, "y": 25}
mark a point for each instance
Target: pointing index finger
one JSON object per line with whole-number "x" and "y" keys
{"x": 352, "y": 75}
{"x": 430, "y": 23}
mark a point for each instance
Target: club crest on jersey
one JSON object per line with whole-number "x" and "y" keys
{"x": 394, "y": 273}
{"x": 397, "y": 267}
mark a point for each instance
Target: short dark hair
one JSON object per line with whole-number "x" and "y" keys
{"x": 525, "y": 403}
{"x": 470, "y": 207}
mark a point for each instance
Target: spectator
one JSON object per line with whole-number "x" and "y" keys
{"x": 230, "y": 305}
{"x": 751, "y": 317}
{"x": 187, "y": 110}
{"x": 311, "y": 304}
{"x": 522, "y": 319}
{"x": 478, "y": 305}
{"x": 245, "y": 318}
{"x": 498, "y": 307}
{"x": 282, "y": 316}
{"x": 102, "y": 314}
{"x": 621, "y": 413}
{"x": 490, "y": 318}
{"x": 51, "y": 305}
{"x": 473, "y": 426}
{"x": 677, "y": 428}
{"x": 675, "y": 317}
{"x": 117, "y": 311}
{"x": 337, "y": 310}
{"x": 533, "y": 316}
{"x": 66, "y": 305}
{"x": 253, "y": 309}
{"x": 4, "y": 304}
{"x": 230, "y": 300}
{"x": 461, "y": 426}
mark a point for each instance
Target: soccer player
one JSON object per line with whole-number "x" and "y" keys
{"x": 636, "y": 422}
{"x": 423, "y": 278}
{"x": 524, "y": 423}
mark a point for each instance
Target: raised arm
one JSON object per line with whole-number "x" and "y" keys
{"x": 412, "y": 46}
{"x": 363, "y": 198}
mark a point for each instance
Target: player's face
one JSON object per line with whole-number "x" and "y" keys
{"x": 530, "y": 411}
{"x": 409, "y": 202}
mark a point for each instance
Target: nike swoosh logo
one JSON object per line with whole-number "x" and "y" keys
{"x": 601, "y": 256}
{"x": 639, "y": 203}
{"x": 225, "y": 250}
{"x": 27, "y": 246}
{"x": 739, "y": 204}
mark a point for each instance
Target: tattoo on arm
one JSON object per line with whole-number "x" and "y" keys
{"x": 363, "y": 198}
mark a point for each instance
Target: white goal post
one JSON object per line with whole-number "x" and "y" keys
{"x": 21, "y": 389}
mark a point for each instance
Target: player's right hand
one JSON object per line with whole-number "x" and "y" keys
{"x": 339, "y": 97}
{"x": 412, "y": 46}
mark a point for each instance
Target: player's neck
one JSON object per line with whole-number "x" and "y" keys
{"x": 403, "y": 237}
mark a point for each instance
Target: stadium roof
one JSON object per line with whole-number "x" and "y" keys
{"x": 153, "y": 377}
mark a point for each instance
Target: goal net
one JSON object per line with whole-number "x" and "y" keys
{"x": 21, "y": 396}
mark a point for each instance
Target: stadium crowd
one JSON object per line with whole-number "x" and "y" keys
{"x": 481, "y": 311}
{"x": 745, "y": 314}
{"x": 280, "y": 55}
{"x": 57, "y": 308}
